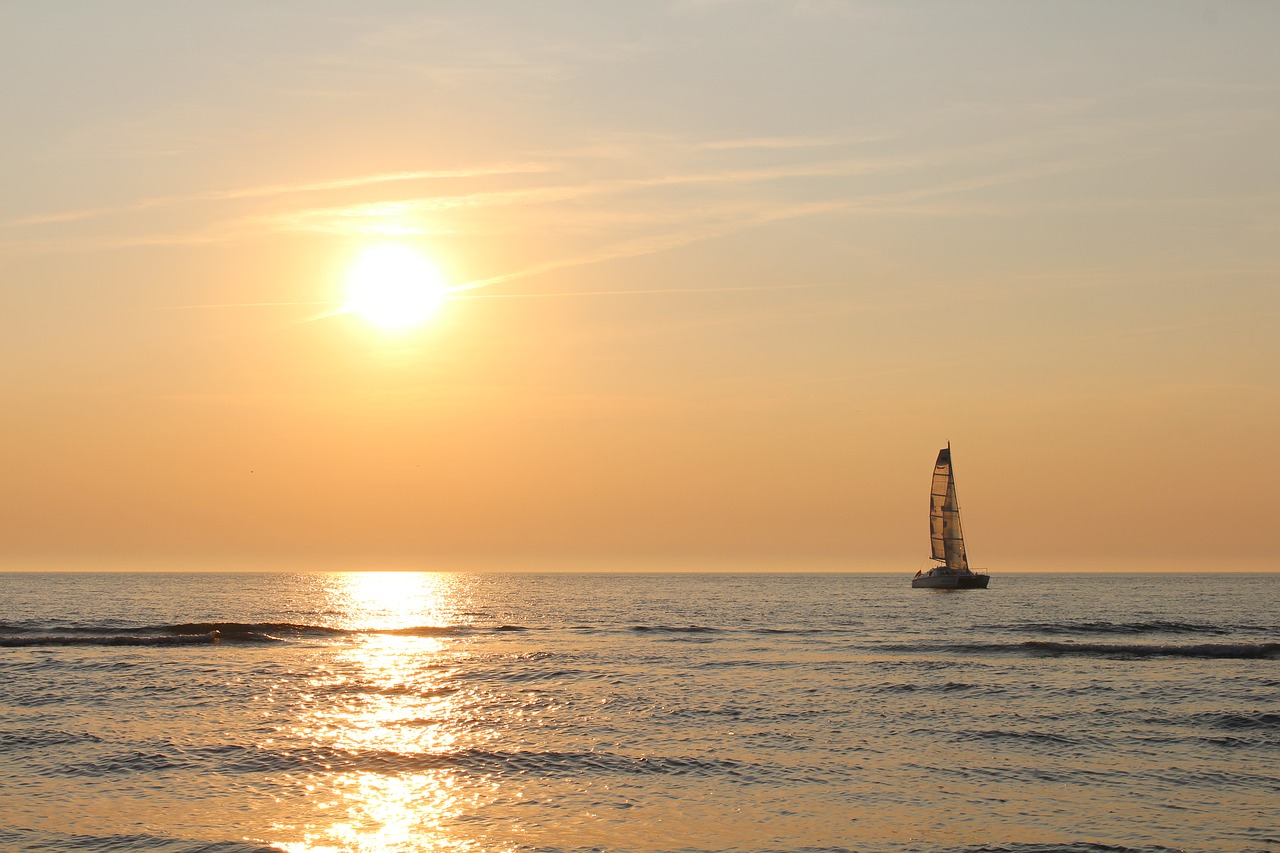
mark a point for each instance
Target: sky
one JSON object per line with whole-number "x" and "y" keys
{"x": 722, "y": 277}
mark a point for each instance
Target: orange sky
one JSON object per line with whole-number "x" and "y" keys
{"x": 730, "y": 274}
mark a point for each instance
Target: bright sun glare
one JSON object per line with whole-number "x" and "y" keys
{"x": 394, "y": 287}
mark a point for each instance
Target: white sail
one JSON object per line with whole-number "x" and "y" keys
{"x": 944, "y": 515}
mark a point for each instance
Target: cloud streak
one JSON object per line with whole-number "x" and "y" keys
{"x": 652, "y": 244}
{"x": 268, "y": 190}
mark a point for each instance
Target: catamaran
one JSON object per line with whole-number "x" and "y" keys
{"x": 946, "y": 536}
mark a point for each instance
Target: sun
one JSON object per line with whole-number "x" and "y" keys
{"x": 394, "y": 287}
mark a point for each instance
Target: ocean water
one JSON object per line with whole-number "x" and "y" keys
{"x": 227, "y": 713}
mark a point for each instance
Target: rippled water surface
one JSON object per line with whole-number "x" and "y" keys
{"x": 423, "y": 712}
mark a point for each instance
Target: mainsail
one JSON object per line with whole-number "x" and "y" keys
{"x": 944, "y": 515}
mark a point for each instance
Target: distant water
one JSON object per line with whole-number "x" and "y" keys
{"x": 228, "y": 713}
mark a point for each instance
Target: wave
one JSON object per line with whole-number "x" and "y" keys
{"x": 1015, "y": 736}
{"x": 1201, "y": 650}
{"x": 20, "y": 838}
{"x": 1241, "y": 722}
{"x": 252, "y": 631}
{"x": 231, "y": 758}
{"x": 945, "y": 688}
{"x": 110, "y": 640}
{"x": 1072, "y": 847}
{"x": 1267, "y": 651}
{"x": 203, "y": 633}
{"x": 200, "y": 633}
{"x": 1157, "y": 626}
{"x": 12, "y": 741}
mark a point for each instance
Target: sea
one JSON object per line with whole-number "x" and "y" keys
{"x": 818, "y": 713}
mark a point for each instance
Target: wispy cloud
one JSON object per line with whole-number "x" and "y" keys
{"x": 370, "y": 180}
{"x": 645, "y": 291}
{"x": 653, "y": 244}
{"x": 399, "y": 216}
{"x": 268, "y": 190}
{"x": 378, "y": 217}
{"x": 786, "y": 142}
{"x": 687, "y": 191}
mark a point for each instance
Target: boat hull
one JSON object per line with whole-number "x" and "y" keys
{"x": 951, "y": 582}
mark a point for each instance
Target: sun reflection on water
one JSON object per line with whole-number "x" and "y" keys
{"x": 386, "y": 715}
{"x": 385, "y": 813}
{"x": 388, "y": 601}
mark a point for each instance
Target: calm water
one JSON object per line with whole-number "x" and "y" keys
{"x": 424, "y": 712}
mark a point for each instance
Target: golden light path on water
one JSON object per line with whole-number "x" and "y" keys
{"x": 648, "y": 713}
{"x": 383, "y": 704}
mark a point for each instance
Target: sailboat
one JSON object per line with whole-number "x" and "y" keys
{"x": 944, "y": 532}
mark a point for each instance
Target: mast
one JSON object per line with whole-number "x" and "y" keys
{"x": 957, "y": 558}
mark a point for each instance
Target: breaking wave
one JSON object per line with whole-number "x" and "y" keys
{"x": 109, "y": 640}
{"x": 1156, "y": 626}
{"x": 1200, "y": 650}
{"x": 203, "y": 633}
{"x": 1270, "y": 651}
